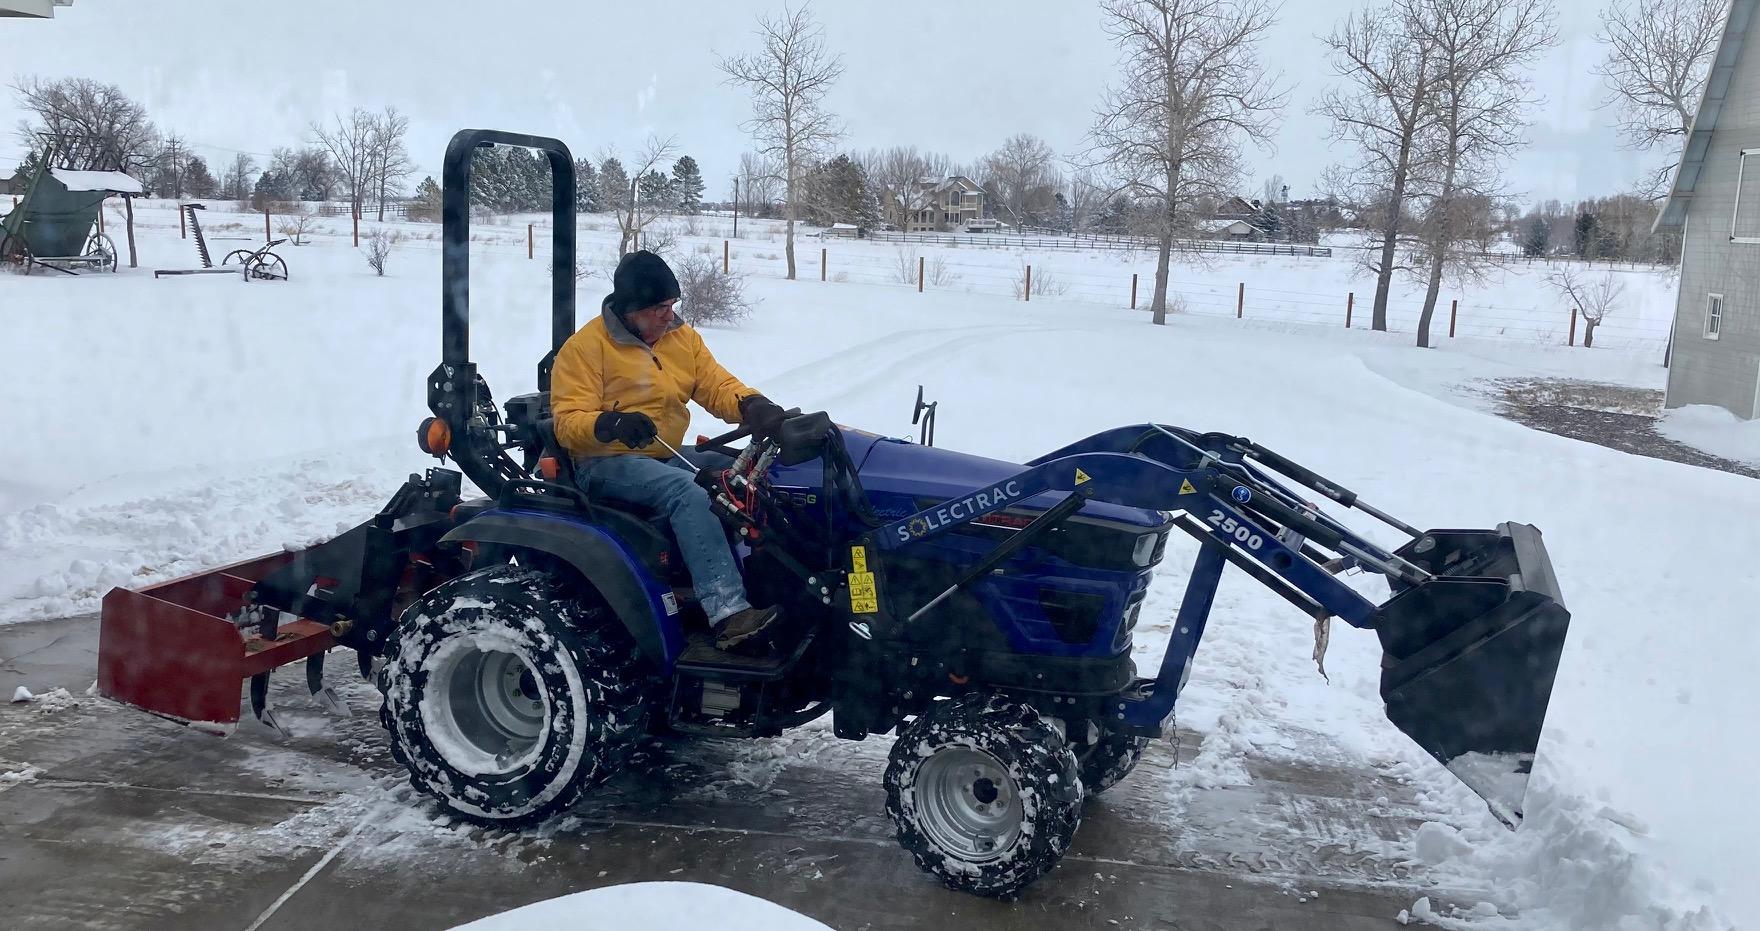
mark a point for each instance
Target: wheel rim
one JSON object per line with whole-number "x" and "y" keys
{"x": 968, "y": 803}
{"x": 272, "y": 268}
{"x": 485, "y": 708}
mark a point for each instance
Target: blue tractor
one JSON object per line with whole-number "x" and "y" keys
{"x": 526, "y": 640}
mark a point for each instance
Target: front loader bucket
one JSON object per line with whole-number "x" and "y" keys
{"x": 175, "y": 650}
{"x": 1470, "y": 655}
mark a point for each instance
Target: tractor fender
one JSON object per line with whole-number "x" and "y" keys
{"x": 644, "y": 605}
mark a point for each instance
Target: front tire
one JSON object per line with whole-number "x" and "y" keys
{"x": 985, "y": 794}
{"x": 1106, "y": 762}
{"x": 509, "y": 694}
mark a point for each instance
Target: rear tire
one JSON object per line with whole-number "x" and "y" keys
{"x": 509, "y": 694}
{"x": 985, "y": 794}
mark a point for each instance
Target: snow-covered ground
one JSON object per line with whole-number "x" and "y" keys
{"x": 657, "y": 906}
{"x": 161, "y": 426}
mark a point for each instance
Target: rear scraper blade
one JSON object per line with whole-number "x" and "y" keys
{"x": 1469, "y": 656}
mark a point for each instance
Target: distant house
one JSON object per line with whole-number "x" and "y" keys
{"x": 1221, "y": 228}
{"x": 1261, "y": 217}
{"x": 1715, "y": 202}
{"x": 31, "y": 9}
{"x": 944, "y": 205}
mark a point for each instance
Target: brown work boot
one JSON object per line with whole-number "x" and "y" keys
{"x": 746, "y": 632}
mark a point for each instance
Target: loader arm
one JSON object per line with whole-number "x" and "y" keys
{"x": 1471, "y": 634}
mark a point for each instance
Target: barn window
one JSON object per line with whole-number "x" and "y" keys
{"x": 1745, "y": 227}
{"x": 1713, "y": 315}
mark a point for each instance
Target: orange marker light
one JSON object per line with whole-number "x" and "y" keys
{"x": 434, "y": 437}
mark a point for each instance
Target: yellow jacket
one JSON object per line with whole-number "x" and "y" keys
{"x": 605, "y": 367}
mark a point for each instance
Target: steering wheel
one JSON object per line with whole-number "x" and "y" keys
{"x": 719, "y": 444}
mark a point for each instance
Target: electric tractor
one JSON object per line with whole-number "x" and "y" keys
{"x": 980, "y": 614}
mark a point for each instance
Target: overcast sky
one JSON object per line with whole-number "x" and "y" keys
{"x": 957, "y": 77}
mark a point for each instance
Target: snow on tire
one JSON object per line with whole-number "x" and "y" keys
{"x": 508, "y": 695}
{"x": 985, "y": 794}
{"x": 1109, "y": 760}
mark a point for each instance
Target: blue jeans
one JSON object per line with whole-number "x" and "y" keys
{"x": 667, "y": 487}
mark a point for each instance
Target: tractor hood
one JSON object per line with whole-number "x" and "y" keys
{"x": 902, "y": 477}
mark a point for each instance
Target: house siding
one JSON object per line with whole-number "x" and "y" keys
{"x": 1724, "y": 371}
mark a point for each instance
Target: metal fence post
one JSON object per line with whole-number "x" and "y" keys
{"x": 1133, "y": 291}
{"x": 1350, "y": 301}
{"x": 1572, "y": 341}
{"x": 1240, "y": 301}
{"x": 822, "y": 263}
{"x": 919, "y": 274}
{"x": 1027, "y": 292}
{"x": 529, "y": 238}
{"x": 1454, "y": 307}
{"x": 726, "y": 269}
{"x": 266, "y": 236}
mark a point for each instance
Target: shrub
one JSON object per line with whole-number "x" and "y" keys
{"x": 707, "y": 295}
{"x": 379, "y": 246}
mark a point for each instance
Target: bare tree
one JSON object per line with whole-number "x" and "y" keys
{"x": 96, "y": 125}
{"x": 1594, "y": 298}
{"x": 236, "y": 183}
{"x": 1381, "y": 111}
{"x": 350, "y": 145}
{"x": 1191, "y": 88}
{"x": 1087, "y": 197}
{"x": 1483, "y": 50}
{"x": 1658, "y": 53}
{"x": 635, "y": 207}
{"x": 296, "y": 222}
{"x": 1276, "y": 190}
{"x": 905, "y": 178}
{"x": 1020, "y": 181}
{"x": 759, "y": 183}
{"x": 788, "y": 80}
{"x": 391, "y": 165}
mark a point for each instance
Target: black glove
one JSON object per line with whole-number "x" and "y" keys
{"x": 762, "y": 415}
{"x": 633, "y": 429}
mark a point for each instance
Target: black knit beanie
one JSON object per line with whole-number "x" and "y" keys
{"x": 642, "y": 279}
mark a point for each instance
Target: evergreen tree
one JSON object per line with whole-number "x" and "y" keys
{"x": 837, "y": 191}
{"x": 197, "y": 180}
{"x": 586, "y": 187}
{"x": 687, "y": 183}
{"x": 1586, "y": 236}
{"x": 657, "y": 192}
{"x": 1536, "y": 237}
{"x": 613, "y": 185}
{"x": 272, "y": 187}
{"x": 427, "y": 203}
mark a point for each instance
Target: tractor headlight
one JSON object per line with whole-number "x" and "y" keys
{"x": 1143, "y": 554}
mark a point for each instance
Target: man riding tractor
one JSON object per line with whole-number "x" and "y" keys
{"x": 620, "y": 383}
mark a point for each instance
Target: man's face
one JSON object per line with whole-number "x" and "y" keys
{"x": 650, "y": 323}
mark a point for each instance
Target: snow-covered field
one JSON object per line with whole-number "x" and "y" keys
{"x": 160, "y": 426}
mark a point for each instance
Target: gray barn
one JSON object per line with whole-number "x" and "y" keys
{"x": 1716, "y": 199}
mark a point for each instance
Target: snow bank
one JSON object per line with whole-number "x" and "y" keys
{"x": 657, "y": 906}
{"x": 1712, "y": 429}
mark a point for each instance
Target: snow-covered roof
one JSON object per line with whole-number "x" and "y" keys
{"x": 114, "y": 181}
{"x": 843, "y": 226}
